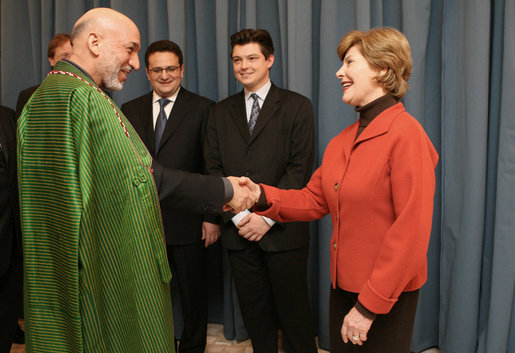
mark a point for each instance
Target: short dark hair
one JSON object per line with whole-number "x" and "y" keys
{"x": 57, "y": 41}
{"x": 163, "y": 46}
{"x": 259, "y": 36}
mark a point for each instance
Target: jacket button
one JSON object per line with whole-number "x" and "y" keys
{"x": 336, "y": 187}
{"x": 334, "y": 245}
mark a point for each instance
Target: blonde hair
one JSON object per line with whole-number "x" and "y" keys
{"x": 383, "y": 48}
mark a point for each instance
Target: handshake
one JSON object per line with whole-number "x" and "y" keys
{"x": 246, "y": 194}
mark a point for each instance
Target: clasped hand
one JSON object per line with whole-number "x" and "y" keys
{"x": 253, "y": 227}
{"x": 246, "y": 194}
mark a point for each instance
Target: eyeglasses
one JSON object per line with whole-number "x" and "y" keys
{"x": 156, "y": 71}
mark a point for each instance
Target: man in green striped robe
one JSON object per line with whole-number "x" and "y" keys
{"x": 96, "y": 271}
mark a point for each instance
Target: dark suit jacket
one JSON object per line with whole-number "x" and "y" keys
{"x": 23, "y": 98}
{"x": 180, "y": 148}
{"x": 280, "y": 152}
{"x": 9, "y": 209}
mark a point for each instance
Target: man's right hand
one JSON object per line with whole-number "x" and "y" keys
{"x": 243, "y": 198}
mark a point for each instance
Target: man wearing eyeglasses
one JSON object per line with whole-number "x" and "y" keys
{"x": 170, "y": 120}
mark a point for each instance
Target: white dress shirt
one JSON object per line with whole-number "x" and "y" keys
{"x": 261, "y": 93}
{"x": 156, "y": 107}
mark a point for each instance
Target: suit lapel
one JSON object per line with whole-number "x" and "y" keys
{"x": 239, "y": 115}
{"x": 8, "y": 140}
{"x": 3, "y": 142}
{"x": 146, "y": 120}
{"x": 268, "y": 110}
{"x": 177, "y": 115}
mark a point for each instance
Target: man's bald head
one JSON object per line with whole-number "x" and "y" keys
{"x": 106, "y": 44}
{"x": 100, "y": 19}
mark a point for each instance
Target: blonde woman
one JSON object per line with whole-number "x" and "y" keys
{"x": 377, "y": 181}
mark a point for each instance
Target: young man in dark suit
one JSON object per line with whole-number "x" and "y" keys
{"x": 267, "y": 134}
{"x": 171, "y": 122}
{"x": 11, "y": 275}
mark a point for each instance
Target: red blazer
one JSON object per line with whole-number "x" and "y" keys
{"x": 379, "y": 190}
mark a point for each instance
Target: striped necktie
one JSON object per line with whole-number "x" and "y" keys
{"x": 254, "y": 112}
{"x": 161, "y": 122}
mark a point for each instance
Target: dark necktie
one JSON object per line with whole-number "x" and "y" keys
{"x": 254, "y": 112}
{"x": 161, "y": 122}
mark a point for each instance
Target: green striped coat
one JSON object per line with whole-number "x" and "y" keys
{"x": 96, "y": 272}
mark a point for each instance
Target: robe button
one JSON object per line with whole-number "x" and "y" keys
{"x": 136, "y": 181}
{"x": 334, "y": 245}
{"x": 336, "y": 187}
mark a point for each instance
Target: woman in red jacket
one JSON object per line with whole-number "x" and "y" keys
{"x": 377, "y": 181}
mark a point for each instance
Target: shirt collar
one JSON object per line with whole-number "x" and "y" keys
{"x": 261, "y": 93}
{"x": 369, "y": 111}
{"x": 172, "y": 98}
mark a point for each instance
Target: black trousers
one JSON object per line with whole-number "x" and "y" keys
{"x": 11, "y": 299}
{"x": 188, "y": 265}
{"x": 272, "y": 293}
{"x": 389, "y": 333}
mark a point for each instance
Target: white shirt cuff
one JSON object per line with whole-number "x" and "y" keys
{"x": 238, "y": 217}
{"x": 270, "y": 221}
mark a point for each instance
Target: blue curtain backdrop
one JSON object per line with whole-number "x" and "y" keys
{"x": 462, "y": 91}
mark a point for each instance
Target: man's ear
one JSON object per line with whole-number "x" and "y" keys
{"x": 270, "y": 60}
{"x": 94, "y": 43}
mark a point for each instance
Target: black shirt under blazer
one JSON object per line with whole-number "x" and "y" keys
{"x": 180, "y": 148}
{"x": 280, "y": 152}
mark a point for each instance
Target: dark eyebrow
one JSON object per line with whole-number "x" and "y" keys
{"x": 246, "y": 56}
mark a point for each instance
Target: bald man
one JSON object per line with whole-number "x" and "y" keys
{"x": 96, "y": 270}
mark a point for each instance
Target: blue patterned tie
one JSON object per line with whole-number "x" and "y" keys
{"x": 161, "y": 122}
{"x": 254, "y": 112}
